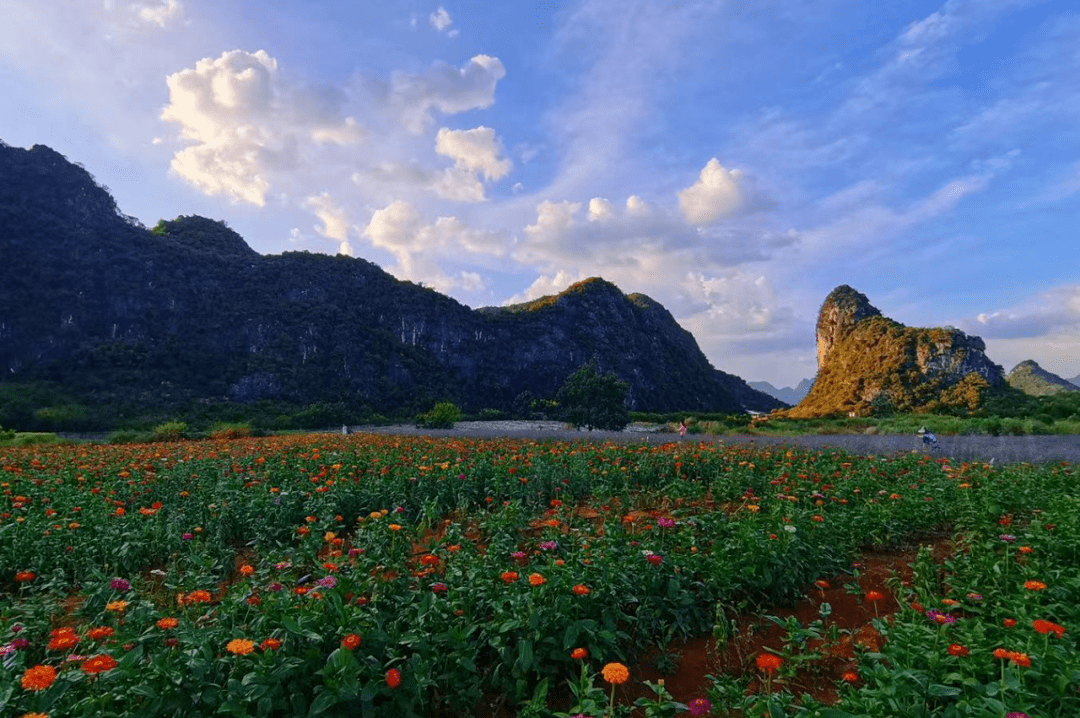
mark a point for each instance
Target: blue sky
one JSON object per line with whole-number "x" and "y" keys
{"x": 734, "y": 161}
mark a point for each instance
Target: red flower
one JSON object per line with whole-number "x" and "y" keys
{"x": 581, "y": 590}
{"x": 654, "y": 559}
{"x": 351, "y": 642}
{"x": 955, "y": 649}
{"x": 579, "y": 654}
{"x": 1044, "y": 627}
{"x": 99, "y": 664}
{"x": 1009, "y": 622}
{"x": 769, "y": 662}
{"x": 393, "y": 678}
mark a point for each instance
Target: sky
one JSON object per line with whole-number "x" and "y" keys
{"x": 734, "y": 161}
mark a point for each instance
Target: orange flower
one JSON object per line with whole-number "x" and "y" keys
{"x": 351, "y": 642}
{"x": 615, "y": 673}
{"x": 23, "y": 576}
{"x": 509, "y": 576}
{"x": 247, "y": 570}
{"x": 769, "y": 662}
{"x": 850, "y": 676}
{"x": 874, "y": 596}
{"x": 34, "y": 715}
{"x": 821, "y": 583}
{"x": 240, "y": 646}
{"x": 581, "y": 590}
{"x": 270, "y": 644}
{"x": 536, "y": 579}
{"x": 1044, "y": 627}
{"x": 949, "y": 602}
{"x": 117, "y": 606}
{"x": 393, "y": 678}
{"x": 1034, "y": 585}
{"x": 38, "y": 678}
{"x": 394, "y": 527}
{"x": 1025, "y": 549}
{"x": 429, "y": 560}
{"x": 62, "y": 639}
{"x": 99, "y": 664}
{"x": 579, "y": 654}
{"x": 167, "y": 623}
{"x": 98, "y": 633}
{"x": 1020, "y": 659}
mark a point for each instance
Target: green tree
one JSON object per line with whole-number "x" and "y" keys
{"x": 592, "y": 400}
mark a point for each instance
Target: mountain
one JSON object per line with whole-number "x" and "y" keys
{"x": 787, "y": 395}
{"x": 187, "y": 313}
{"x": 868, "y": 363}
{"x": 1030, "y": 378}
{"x": 1075, "y": 381}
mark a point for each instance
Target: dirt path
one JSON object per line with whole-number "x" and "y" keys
{"x": 1000, "y": 449}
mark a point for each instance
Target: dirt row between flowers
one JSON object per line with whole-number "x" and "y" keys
{"x": 1000, "y": 449}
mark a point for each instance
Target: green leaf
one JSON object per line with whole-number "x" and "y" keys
{"x": 939, "y": 691}
{"x": 322, "y": 702}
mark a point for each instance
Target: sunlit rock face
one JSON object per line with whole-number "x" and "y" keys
{"x": 1030, "y": 378}
{"x": 870, "y": 364}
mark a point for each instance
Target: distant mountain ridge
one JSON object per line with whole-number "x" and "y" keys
{"x": 788, "y": 395}
{"x": 1032, "y": 379}
{"x": 188, "y": 312}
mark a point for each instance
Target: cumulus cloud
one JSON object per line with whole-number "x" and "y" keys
{"x": 334, "y": 218}
{"x": 247, "y": 124}
{"x": 445, "y": 88}
{"x": 1053, "y": 311}
{"x": 440, "y": 19}
{"x": 160, "y": 13}
{"x": 475, "y": 150}
{"x": 423, "y": 249}
{"x": 716, "y": 194}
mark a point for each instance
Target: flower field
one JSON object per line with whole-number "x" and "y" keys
{"x": 371, "y": 575}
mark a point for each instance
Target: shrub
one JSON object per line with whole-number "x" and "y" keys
{"x": 229, "y": 431}
{"x": 6, "y": 435}
{"x": 130, "y": 436}
{"x": 170, "y": 431}
{"x": 594, "y": 401}
{"x": 442, "y": 416}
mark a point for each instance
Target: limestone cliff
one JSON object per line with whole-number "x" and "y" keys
{"x": 868, "y": 363}
{"x": 1030, "y": 378}
{"x": 186, "y": 313}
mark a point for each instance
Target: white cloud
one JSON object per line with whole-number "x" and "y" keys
{"x": 447, "y": 89}
{"x": 1053, "y": 311}
{"x": 716, "y": 194}
{"x": 475, "y": 150}
{"x": 160, "y": 13}
{"x": 599, "y": 208}
{"x": 335, "y": 221}
{"x": 545, "y": 285}
{"x": 440, "y": 19}
{"x": 248, "y": 125}
{"x": 423, "y": 251}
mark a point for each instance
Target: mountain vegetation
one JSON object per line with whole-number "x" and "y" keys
{"x": 1030, "y": 378}
{"x": 106, "y": 323}
{"x": 869, "y": 364}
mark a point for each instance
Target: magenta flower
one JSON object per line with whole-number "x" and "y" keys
{"x": 119, "y": 584}
{"x": 699, "y": 707}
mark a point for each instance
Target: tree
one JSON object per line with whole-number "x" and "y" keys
{"x": 592, "y": 400}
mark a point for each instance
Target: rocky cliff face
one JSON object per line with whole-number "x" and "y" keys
{"x": 868, "y": 363}
{"x": 1030, "y": 378}
{"x": 186, "y": 312}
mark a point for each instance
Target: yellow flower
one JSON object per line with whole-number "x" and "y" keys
{"x": 117, "y": 606}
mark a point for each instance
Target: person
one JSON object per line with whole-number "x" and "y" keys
{"x": 344, "y": 430}
{"x": 928, "y": 438}
{"x": 682, "y": 428}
